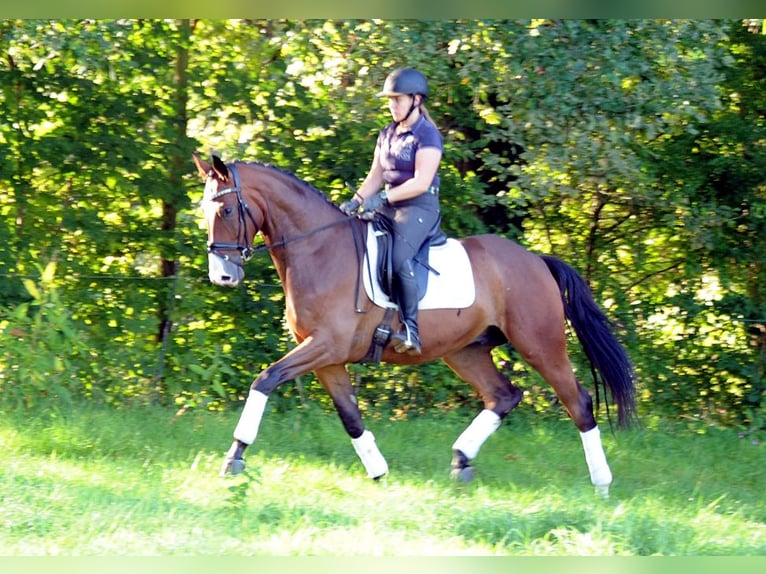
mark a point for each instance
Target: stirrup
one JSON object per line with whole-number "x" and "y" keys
{"x": 405, "y": 342}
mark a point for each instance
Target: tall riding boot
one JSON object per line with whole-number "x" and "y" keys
{"x": 408, "y": 339}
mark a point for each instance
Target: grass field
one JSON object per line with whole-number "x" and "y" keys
{"x": 143, "y": 481}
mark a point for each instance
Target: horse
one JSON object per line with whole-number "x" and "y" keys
{"x": 520, "y": 298}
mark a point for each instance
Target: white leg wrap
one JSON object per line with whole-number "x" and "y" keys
{"x": 482, "y": 427}
{"x": 250, "y": 419}
{"x": 600, "y": 475}
{"x": 368, "y": 452}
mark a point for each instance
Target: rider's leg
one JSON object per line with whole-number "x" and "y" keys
{"x": 411, "y": 226}
{"x": 408, "y": 339}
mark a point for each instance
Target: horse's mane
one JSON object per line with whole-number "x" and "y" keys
{"x": 303, "y": 185}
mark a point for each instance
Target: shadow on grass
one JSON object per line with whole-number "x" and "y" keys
{"x": 661, "y": 478}
{"x": 243, "y": 491}
{"x": 583, "y": 530}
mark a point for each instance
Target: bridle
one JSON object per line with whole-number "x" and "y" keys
{"x": 242, "y": 245}
{"x": 244, "y": 213}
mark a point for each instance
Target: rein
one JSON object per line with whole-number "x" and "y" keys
{"x": 247, "y": 251}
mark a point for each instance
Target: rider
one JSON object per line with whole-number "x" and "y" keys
{"x": 405, "y": 163}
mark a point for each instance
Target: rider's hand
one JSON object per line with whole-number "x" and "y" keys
{"x": 374, "y": 202}
{"x": 350, "y": 206}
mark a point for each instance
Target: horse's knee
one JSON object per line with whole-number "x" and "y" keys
{"x": 266, "y": 381}
{"x": 506, "y": 400}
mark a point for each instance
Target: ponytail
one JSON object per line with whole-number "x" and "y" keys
{"x": 424, "y": 111}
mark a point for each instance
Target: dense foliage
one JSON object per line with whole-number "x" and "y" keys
{"x": 632, "y": 149}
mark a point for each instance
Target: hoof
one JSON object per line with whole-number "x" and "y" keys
{"x": 464, "y": 474}
{"x": 461, "y": 470}
{"x": 381, "y": 480}
{"x": 232, "y": 466}
{"x": 602, "y": 491}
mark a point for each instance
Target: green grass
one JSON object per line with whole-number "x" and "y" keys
{"x": 142, "y": 481}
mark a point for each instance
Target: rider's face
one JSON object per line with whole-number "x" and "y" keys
{"x": 399, "y": 106}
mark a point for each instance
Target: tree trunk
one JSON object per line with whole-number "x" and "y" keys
{"x": 175, "y": 176}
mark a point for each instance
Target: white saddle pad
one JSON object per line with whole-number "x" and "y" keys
{"x": 452, "y": 288}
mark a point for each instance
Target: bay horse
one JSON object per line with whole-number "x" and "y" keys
{"x": 520, "y": 298}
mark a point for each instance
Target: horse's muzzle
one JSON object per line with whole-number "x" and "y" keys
{"x": 224, "y": 271}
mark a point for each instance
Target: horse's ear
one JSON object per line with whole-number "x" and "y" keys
{"x": 220, "y": 168}
{"x": 203, "y": 168}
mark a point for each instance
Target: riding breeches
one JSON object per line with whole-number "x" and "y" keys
{"x": 410, "y": 227}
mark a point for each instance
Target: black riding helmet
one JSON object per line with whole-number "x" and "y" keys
{"x": 405, "y": 81}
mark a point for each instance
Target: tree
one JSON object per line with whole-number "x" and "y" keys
{"x": 719, "y": 288}
{"x": 632, "y": 149}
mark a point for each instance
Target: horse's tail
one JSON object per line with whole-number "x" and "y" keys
{"x": 593, "y": 329}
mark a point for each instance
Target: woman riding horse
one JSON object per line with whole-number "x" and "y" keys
{"x": 521, "y": 298}
{"x": 405, "y": 161}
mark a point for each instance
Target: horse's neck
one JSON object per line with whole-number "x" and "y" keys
{"x": 292, "y": 208}
{"x": 302, "y": 222}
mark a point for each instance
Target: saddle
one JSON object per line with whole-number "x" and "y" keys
{"x": 377, "y": 276}
{"x": 384, "y": 264}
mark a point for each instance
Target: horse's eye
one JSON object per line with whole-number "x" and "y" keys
{"x": 227, "y": 211}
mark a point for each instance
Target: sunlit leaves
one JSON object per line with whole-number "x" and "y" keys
{"x": 633, "y": 149}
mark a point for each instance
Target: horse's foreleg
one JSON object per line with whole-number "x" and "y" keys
{"x": 336, "y": 380}
{"x": 371, "y": 457}
{"x": 245, "y": 432}
{"x": 300, "y": 360}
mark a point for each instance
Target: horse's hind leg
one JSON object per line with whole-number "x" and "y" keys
{"x": 556, "y": 368}
{"x": 579, "y": 405}
{"x": 474, "y": 365}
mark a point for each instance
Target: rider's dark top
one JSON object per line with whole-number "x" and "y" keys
{"x": 397, "y": 157}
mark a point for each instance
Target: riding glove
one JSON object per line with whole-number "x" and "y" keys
{"x": 374, "y": 202}
{"x": 350, "y": 206}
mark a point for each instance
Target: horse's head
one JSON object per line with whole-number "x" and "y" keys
{"x": 231, "y": 226}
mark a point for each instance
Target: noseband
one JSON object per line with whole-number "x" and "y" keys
{"x": 242, "y": 245}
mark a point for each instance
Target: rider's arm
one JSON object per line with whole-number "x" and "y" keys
{"x": 374, "y": 180}
{"x": 426, "y": 163}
